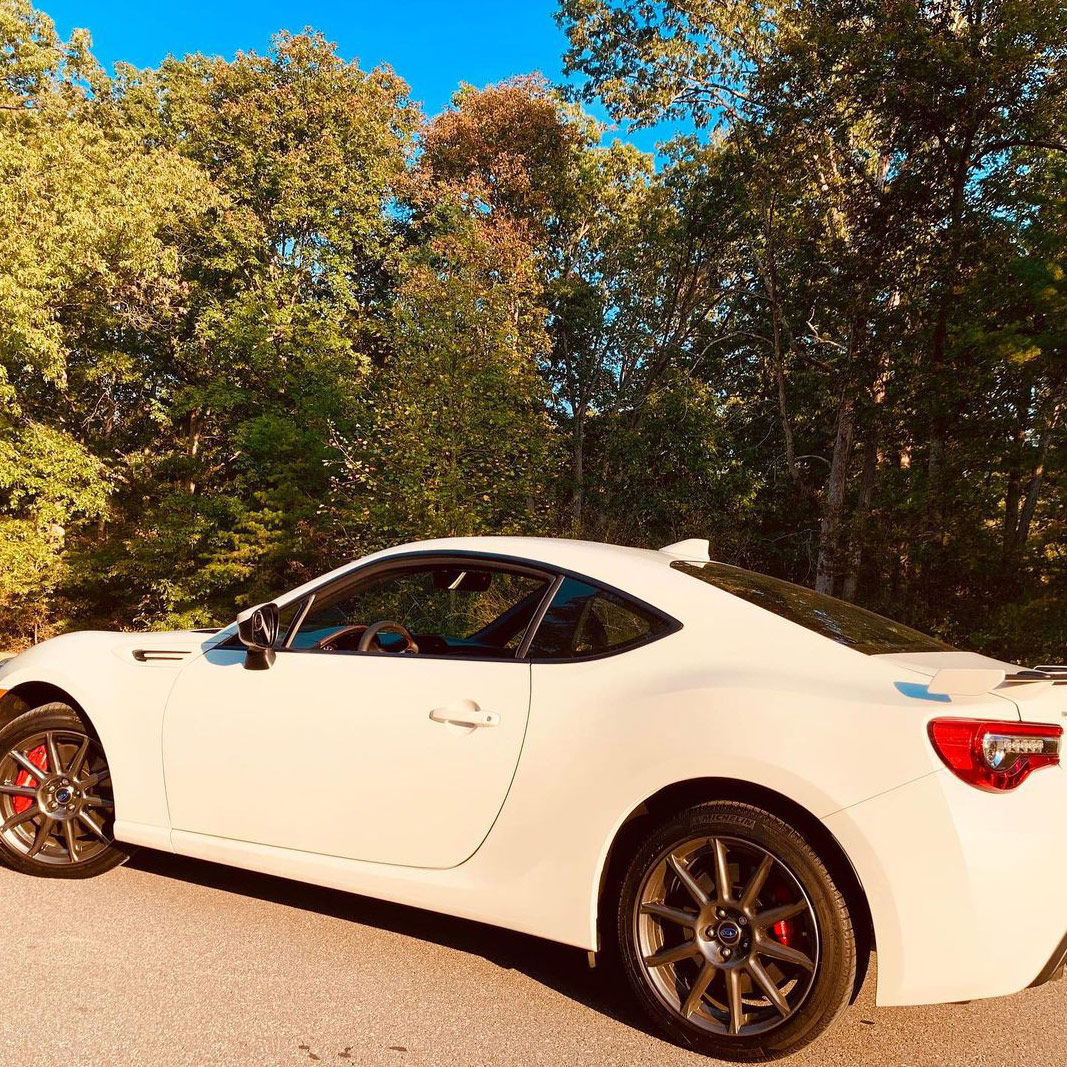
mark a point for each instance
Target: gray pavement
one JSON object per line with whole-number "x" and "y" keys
{"x": 170, "y": 961}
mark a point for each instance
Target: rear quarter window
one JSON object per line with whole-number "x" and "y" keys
{"x": 584, "y": 620}
{"x": 840, "y": 621}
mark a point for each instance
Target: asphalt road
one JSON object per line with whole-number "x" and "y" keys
{"x": 171, "y": 961}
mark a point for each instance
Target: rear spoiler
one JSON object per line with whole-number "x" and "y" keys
{"x": 977, "y": 681}
{"x": 1060, "y": 671}
{"x": 694, "y": 549}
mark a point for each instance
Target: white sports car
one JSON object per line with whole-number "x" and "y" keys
{"x": 729, "y": 786}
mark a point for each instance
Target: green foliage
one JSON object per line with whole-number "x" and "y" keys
{"x": 455, "y": 439}
{"x": 47, "y": 481}
{"x": 887, "y": 182}
{"x": 259, "y": 315}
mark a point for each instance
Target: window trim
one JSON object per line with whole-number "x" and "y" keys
{"x": 539, "y": 617}
{"x": 298, "y": 620}
{"x": 555, "y": 576}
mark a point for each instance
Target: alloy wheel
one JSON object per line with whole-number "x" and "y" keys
{"x": 56, "y": 803}
{"x": 726, "y": 935}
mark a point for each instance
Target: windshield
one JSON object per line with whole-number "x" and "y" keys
{"x": 836, "y": 619}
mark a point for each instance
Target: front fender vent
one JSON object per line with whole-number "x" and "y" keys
{"x": 159, "y": 655}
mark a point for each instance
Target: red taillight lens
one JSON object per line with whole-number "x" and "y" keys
{"x": 995, "y": 756}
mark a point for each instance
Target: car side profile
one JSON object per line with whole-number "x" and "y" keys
{"x": 728, "y": 787}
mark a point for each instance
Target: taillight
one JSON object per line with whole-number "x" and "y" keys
{"x": 995, "y": 756}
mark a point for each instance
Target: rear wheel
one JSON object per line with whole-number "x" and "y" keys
{"x": 733, "y": 934}
{"x": 57, "y": 809}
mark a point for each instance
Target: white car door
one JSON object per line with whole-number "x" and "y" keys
{"x": 382, "y": 756}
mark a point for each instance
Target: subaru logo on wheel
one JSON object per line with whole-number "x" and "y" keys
{"x": 729, "y": 933}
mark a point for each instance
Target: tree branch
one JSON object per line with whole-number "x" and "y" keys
{"x": 1020, "y": 142}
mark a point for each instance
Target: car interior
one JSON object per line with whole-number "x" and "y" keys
{"x": 465, "y": 609}
{"x": 440, "y": 610}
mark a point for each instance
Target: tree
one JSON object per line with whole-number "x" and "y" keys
{"x": 456, "y": 438}
{"x": 620, "y": 272}
{"x": 287, "y": 281}
{"x": 870, "y": 131}
{"x": 86, "y": 275}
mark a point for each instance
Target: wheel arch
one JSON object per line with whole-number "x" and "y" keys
{"x": 27, "y": 695}
{"x": 677, "y": 796}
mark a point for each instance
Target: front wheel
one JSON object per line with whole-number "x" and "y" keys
{"x": 733, "y": 935}
{"x": 57, "y": 810}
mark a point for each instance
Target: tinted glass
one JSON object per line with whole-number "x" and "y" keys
{"x": 286, "y": 618}
{"x": 448, "y": 609}
{"x": 836, "y": 619}
{"x": 583, "y": 620}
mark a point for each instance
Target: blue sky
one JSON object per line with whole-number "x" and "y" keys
{"x": 432, "y": 45}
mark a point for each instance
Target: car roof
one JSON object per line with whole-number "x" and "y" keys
{"x": 642, "y": 572}
{"x": 556, "y": 551}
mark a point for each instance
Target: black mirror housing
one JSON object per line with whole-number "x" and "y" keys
{"x": 258, "y": 630}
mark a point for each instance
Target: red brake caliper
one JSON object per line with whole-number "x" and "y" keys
{"x": 39, "y": 758}
{"x": 784, "y": 931}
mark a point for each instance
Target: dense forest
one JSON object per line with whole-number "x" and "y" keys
{"x": 261, "y": 315}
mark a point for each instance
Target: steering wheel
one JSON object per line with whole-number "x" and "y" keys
{"x": 339, "y": 639}
{"x": 376, "y": 628}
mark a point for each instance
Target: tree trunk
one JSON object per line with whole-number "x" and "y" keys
{"x": 1010, "y": 526}
{"x": 194, "y": 445}
{"x": 1030, "y": 498}
{"x": 828, "y": 566}
{"x": 1013, "y": 493}
{"x": 782, "y": 340}
{"x": 859, "y": 520}
{"x": 577, "y": 498}
{"x": 942, "y": 386}
{"x": 1033, "y": 492}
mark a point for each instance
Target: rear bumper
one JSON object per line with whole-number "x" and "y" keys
{"x": 967, "y": 890}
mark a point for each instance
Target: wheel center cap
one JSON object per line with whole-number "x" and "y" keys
{"x": 728, "y": 932}
{"x": 64, "y": 794}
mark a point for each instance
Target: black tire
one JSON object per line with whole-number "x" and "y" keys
{"x": 86, "y": 827}
{"x": 821, "y": 989}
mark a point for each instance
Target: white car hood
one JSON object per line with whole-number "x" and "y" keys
{"x": 148, "y": 649}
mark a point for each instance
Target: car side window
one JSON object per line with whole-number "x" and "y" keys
{"x": 584, "y": 620}
{"x": 448, "y": 608}
{"x": 286, "y": 617}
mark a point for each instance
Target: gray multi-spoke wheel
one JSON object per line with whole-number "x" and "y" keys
{"x": 727, "y": 935}
{"x": 733, "y": 933}
{"x": 57, "y": 808}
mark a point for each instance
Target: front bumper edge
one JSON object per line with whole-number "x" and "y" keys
{"x": 1055, "y": 967}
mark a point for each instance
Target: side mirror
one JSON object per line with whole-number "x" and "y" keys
{"x": 258, "y": 630}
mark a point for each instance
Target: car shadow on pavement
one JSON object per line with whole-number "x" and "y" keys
{"x": 559, "y": 967}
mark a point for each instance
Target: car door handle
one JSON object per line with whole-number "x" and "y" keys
{"x": 464, "y": 713}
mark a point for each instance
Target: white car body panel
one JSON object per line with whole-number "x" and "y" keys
{"x": 123, "y": 699}
{"x": 939, "y": 859}
{"x": 337, "y": 755}
{"x": 513, "y": 825}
